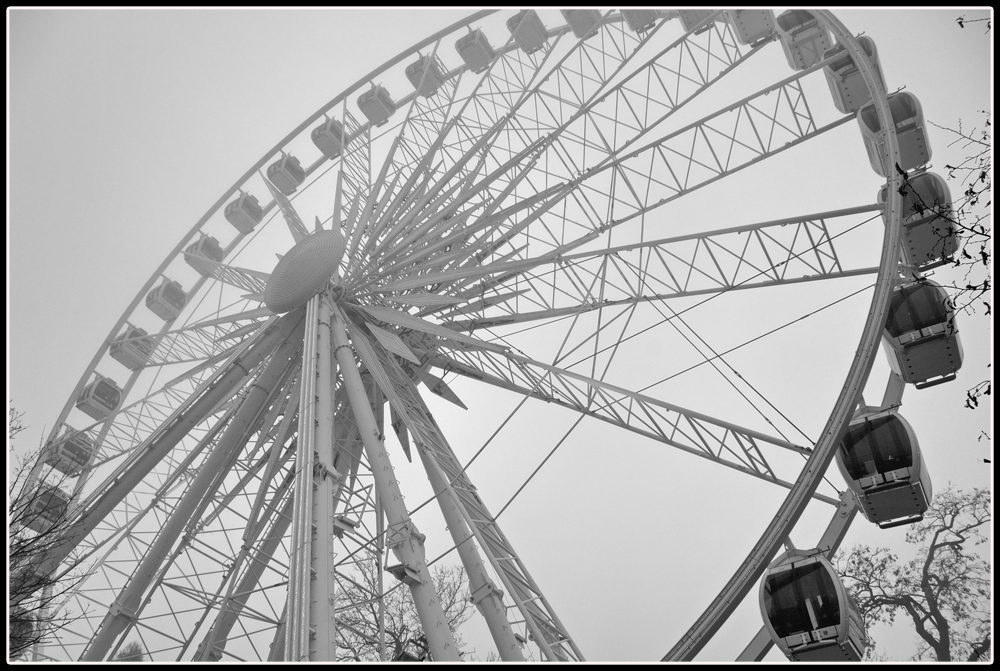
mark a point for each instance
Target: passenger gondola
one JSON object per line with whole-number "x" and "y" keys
{"x": 921, "y": 336}
{"x": 205, "y": 248}
{"x": 475, "y": 51}
{"x": 329, "y": 138}
{"x": 847, "y": 86}
{"x": 640, "y": 20}
{"x": 167, "y": 300}
{"x": 425, "y": 75}
{"x": 528, "y": 30}
{"x": 132, "y": 348}
{"x": 70, "y": 453}
{"x": 244, "y": 213}
{"x": 100, "y": 398}
{"x": 751, "y": 25}
{"x": 583, "y": 22}
{"x": 692, "y": 17}
{"x": 287, "y": 174}
{"x": 377, "y": 105}
{"x": 47, "y": 508}
{"x": 929, "y": 236}
{"x": 808, "y": 612}
{"x": 881, "y": 462}
{"x": 911, "y": 134}
{"x": 803, "y": 38}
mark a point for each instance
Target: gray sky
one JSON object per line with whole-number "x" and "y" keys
{"x": 125, "y": 126}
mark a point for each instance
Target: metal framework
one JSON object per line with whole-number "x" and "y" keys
{"x": 238, "y": 496}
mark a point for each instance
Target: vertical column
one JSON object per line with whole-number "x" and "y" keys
{"x": 310, "y": 628}
{"x": 403, "y": 538}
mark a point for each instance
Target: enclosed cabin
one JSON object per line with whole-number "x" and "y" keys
{"x": 287, "y": 174}
{"x": 528, "y": 30}
{"x": 377, "y": 105}
{"x": 70, "y": 453}
{"x": 640, "y": 20}
{"x": 132, "y": 348}
{"x": 329, "y": 138}
{"x": 808, "y": 612}
{"x": 847, "y": 86}
{"x": 426, "y": 76}
{"x": 100, "y": 398}
{"x": 804, "y": 38}
{"x": 20, "y": 632}
{"x": 244, "y": 213}
{"x": 751, "y": 25}
{"x": 167, "y": 300}
{"x": 205, "y": 248}
{"x": 583, "y": 22}
{"x": 881, "y": 462}
{"x": 920, "y": 336}
{"x": 929, "y": 236}
{"x": 911, "y": 133}
{"x": 47, "y": 507}
{"x": 475, "y": 51}
{"x": 690, "y": 18}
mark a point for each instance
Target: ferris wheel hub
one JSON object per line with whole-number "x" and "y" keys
{"x": 304, "y": 271}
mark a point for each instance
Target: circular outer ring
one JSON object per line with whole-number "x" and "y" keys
{"x": 753, "y": 567}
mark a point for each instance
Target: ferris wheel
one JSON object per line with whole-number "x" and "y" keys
{"x": 512, "y": 204}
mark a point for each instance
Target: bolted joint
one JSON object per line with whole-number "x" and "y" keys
{"x": 405, "y": 572}
{"x": 400, "y": 533}
{"x": 120, "y": 612}
{"x": 484, "y": 591}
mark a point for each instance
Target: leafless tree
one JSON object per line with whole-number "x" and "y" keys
{"x": 130, "y": 652}
{"x": 35, "y": 599}
{"x": 358, "y": 627}
{"x": 944, "y": 591}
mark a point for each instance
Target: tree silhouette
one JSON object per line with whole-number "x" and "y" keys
{"x": 130, "y": 652}
{"x": 35, "y": 600}
{"x": 944, "y": 591}
{"x": 358, "y": 628}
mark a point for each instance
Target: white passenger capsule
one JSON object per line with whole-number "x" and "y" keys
{"x": 847, "y": 86}
{"x": 911, "y": 134}
{"x": 751, "y": 25}
{"x": 377, "y": 105}
{"x": 528, "y": 30}
{"x": 166, "y": 300}
{"x": 920, "y": 336}
{"x": 803, "y": 38}
{"x": 287, "y": 174}
{"x": 328, "y": 138}
{"x": 929, "y": 236}
{"x": 881, "y": 462}
{"x": 583, "y": 22}
{"x": 132, "y": 348}
{"x": 70, "y": 453}
{"x": 640, "y": 20}
{"x": 100, "y": 398}
{"x": 205, "y": 248}
{"x": 244, "y": 213}
{"x": 808, "y": 612}
{"x": 475, "y": 50}
{"x": 692, "y": 17}
{"x": 425, "y": 75}
{"x": 47, "y": 508}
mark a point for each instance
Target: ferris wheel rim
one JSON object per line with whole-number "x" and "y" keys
{"x": 872, "y": 342}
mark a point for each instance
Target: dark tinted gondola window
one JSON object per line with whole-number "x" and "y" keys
{"x": 916, "y": 307}
{"x": 876, "y": 446}
{"x": 107, "y": 394}
{"x": 800, "y": 600}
